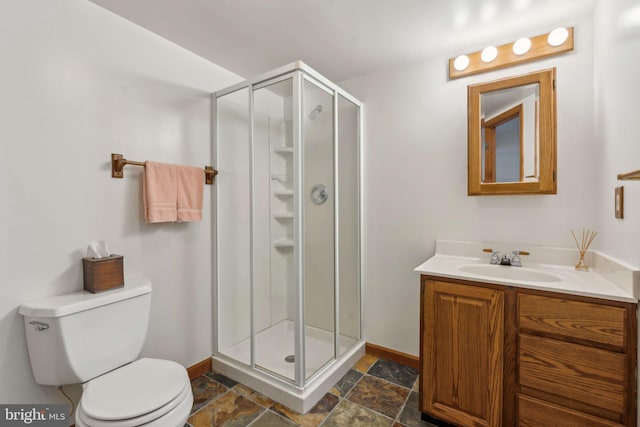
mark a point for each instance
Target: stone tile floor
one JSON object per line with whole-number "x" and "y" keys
{"x": 376, "y": 392}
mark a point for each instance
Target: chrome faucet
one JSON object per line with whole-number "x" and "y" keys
{"x": 513, "y": 261}
{"x": 505, "y": 260}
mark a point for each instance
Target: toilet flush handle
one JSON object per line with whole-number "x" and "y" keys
{"x": 40, "y": 326}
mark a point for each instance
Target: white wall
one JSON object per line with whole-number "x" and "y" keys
{"x": 415, "y": 178}
{"x": 617, "y": 67}
{"x": 530, "y": 145}
{"x": 78, "y": 83}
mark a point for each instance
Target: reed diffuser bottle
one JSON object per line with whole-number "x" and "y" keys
{"x": 583, "y": 246}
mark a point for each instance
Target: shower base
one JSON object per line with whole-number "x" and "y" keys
{"x": 274, "y": 344}
{"x": 272, "y": 347}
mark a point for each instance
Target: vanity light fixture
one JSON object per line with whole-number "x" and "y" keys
{"x": 489, "y": 53}
{"x": 461, "y": 62}
{"x": 522, "y": 50}
{"x": 521, "y": 46}
{"x": 557, "y": 36}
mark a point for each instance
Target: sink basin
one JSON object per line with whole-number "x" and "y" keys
{"x": 509, "y": 273}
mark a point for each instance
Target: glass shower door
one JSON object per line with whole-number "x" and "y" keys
{"x": 348, "y": 214}
{"x": 273, "y": 228}
{"x": 318, "y": 202}
{"x": 233, "y": 227}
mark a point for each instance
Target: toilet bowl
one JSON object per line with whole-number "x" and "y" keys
{"x": 94, "y": 339}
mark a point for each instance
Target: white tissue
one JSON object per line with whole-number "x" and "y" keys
{"x": 98, "y": 250}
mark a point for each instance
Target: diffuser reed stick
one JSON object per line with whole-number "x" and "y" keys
{"x": 583, "y": 246}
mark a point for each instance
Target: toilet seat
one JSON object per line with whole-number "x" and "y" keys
{"x": 147, "y": 391}
{"x": 173, "y": 414}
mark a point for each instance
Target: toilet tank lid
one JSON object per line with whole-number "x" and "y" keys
{"x": 74, "y": 302}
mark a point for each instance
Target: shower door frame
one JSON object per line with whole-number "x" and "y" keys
{"x": 299, "y": 72}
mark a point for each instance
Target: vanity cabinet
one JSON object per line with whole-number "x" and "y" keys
{"x": 494, "y": 355}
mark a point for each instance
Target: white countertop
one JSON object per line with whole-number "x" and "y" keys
{"x": 607, "y": 279}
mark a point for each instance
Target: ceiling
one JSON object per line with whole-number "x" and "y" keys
{"x": 341, "y": 39}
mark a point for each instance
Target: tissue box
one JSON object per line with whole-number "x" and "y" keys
{"x": 102, "y": 274}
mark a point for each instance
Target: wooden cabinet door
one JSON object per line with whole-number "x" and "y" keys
{"x": 462, "y": 353}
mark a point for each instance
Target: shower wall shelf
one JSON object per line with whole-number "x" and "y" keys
{"x": 281, "y": 178}
{"x": 283, "y": 150}
{"x": 283, "y": 243}
{"x": 283, "y": 193}
{"x": 283, "y": 215}
{"x": 630, "y": 176}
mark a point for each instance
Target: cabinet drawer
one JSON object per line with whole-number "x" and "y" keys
{"x": 538, "y": 413}
{"x": 560, "y": 317}
{"x": 587, "y": 375}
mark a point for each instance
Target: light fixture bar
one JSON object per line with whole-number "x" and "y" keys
{"x": 540, "y": 48}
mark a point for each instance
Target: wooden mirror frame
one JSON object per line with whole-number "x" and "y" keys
{"x": 546, "y": 183}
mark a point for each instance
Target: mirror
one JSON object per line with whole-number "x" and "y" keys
{"x": 512, "y": 136}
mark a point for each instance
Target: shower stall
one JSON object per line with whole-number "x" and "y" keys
{"x": 287, "y": 290}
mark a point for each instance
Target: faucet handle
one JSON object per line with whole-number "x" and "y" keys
{"x": 515, "y": 259}
{"x": 495, "y": 258}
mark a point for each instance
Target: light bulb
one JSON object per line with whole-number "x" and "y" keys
{"x": 521, "y": 46}
{"x": 489, "y": 53}
{"x": 461, "y": 62}
{"x": 557, "y": 36}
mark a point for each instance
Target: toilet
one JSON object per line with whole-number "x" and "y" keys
{"x": 95, "y": 339}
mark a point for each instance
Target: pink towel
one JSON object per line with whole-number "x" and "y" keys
{"x": 160, "y": 192}
{"x": 190, "y": 188}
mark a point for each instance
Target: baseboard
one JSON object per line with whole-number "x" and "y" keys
{"x": 199, "y": 368}
{"x": 396, "y": 356}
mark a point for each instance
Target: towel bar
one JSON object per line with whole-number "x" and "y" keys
{"x": 118, "y": 162}
{"x": 635, "y": 175}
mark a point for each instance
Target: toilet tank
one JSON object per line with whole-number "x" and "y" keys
{"x": 78, "y": 336}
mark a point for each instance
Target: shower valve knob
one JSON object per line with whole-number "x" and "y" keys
{"x": 319, "y": 194}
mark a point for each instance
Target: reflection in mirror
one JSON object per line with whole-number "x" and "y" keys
{"x": 512, "y": 135}
{"x": 509, "y": 134}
